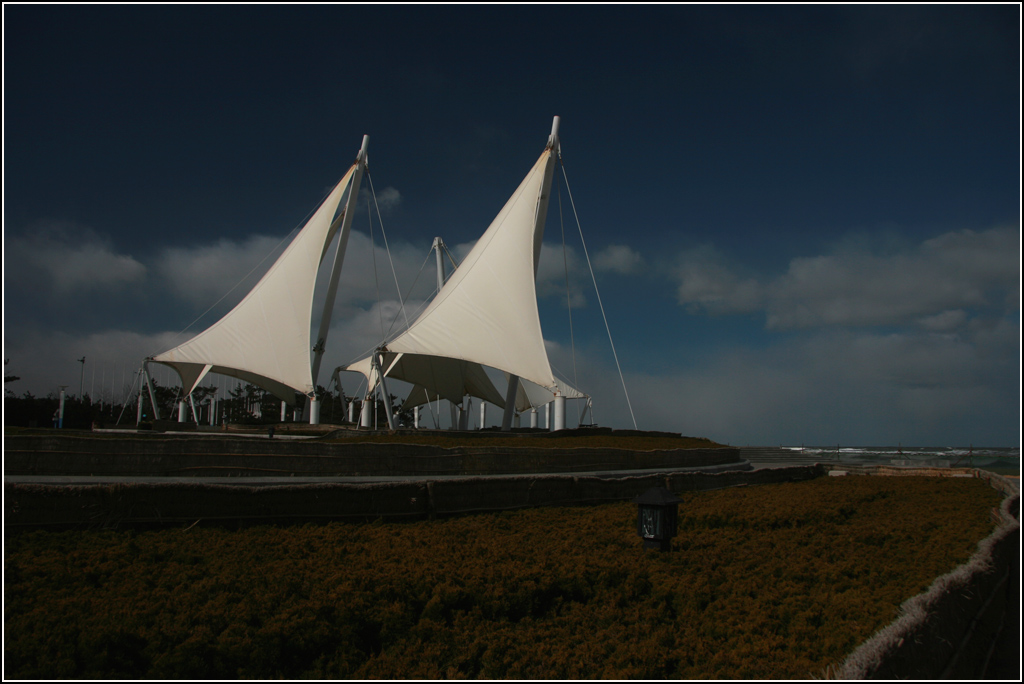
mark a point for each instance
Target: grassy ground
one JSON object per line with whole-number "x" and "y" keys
{"x": 770, "y": 582}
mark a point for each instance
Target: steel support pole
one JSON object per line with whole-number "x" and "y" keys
{"x": 152, "y": 394}
{"x": 384, "y": 389}
{"x": 510, "y": 403}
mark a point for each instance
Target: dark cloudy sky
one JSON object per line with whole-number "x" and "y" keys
{"x": 804, "y": 221}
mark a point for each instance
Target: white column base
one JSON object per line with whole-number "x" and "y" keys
{"x": 559, "y": 413}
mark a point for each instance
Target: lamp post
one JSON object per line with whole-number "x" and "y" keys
{"x": 657, "y": 516}
{"x": 81, "y": 391}
{"x": 60, "y": 408}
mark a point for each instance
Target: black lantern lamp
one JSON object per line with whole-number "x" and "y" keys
{"x": 657, "y": 516}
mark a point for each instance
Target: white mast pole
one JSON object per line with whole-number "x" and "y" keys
{"x": 553, "y": 138}
{"x": 339, "y": 257}
{"x": 538, "y": 239}
{"x": 438, "y": 247}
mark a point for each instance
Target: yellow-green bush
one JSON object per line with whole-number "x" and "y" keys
{"x": 776, "y": 581}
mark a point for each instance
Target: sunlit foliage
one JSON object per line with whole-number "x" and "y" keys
{"x": 776, "y": 581}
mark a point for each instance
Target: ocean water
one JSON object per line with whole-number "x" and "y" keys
{"x": 971, "y": 457}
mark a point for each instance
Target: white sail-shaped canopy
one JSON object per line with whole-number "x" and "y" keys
{"x": 452, "y": 379}
{"x": 487, "y": 313}
{"x": 433, "y": 377}
{"x": 265, "y": 339}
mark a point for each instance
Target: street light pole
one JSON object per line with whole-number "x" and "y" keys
{"x": 60, "y": 408}
{"x": 81, "y": 391}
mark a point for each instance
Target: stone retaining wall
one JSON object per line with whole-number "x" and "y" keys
{"x": 175, "y": 503}
{"x": 239, "y": 457}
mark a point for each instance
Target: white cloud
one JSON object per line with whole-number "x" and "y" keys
{"x": 935, "y": 285}
{"x": 45, "y": 360}
{"x": 822, "y": 387}
{"x": 858, "y": 287}
{"x": 360, "y": 331}
{"x": 944, "y": 322}
{"x": 552, "y": 268}
{"x": 203, "y": 274}
{"x": 558, "y": 265}
{"x": 388, "y": 199}
{"x": 620, "y": 259}
{"x": 368, "y": 270}
{"x": 707, "y": 282}
{"x": 69, "y": 259}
